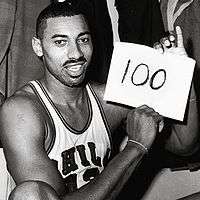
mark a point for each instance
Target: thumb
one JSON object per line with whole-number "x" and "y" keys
{"x": 179, "y": 37}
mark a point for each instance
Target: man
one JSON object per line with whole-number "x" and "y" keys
{"x": 103, "y": 38}
{"x": 55, "y": 131}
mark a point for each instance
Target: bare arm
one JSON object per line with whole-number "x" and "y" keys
{"x": 23, "y": 128}
{"x": 184, "y": 136}
{"x": 195, "y": 196}
{"x": 184, "y": 139}
{"x": 22, "y": 136}
{"x": 142, "y": 124}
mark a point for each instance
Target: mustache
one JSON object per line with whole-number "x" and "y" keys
{"x": 72, "y": 61}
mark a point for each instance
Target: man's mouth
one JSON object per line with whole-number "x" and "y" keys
{"x": 75, "y": 69}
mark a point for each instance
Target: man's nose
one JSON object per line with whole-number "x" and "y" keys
{"x": 74, "y": 51}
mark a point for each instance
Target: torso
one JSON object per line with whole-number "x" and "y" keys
{"x": 79, "y": 154}
{"x": 89, "y": 159}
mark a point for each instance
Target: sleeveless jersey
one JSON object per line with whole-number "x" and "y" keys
{"x": 80, "y": 155}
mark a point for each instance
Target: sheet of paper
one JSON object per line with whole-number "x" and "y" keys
{"x": 140, "y": 75}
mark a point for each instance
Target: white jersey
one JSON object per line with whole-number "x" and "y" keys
{"x": 80, "y": 155}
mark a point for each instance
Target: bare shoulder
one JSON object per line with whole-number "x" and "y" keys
{"x": 23, "y": 102}
{"x": 19, "y": 114}
{"x": 114, "y": 112}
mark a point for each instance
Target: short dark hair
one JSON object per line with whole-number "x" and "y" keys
{"x": 67, "y": 8}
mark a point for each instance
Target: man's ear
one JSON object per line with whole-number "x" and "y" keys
{"x": 37, "y": 47}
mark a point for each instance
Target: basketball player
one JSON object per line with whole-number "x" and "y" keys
{"x": 56, "y": 131}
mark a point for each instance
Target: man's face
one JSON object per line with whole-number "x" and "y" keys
{"x": 67, "y": 49}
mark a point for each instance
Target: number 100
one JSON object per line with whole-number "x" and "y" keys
{"x": 145, "y": 78}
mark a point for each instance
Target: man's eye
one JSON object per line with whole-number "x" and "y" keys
{"x": 60, "y": 42}
{"x": 83, "y": 40}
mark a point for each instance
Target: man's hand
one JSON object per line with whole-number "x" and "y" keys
{"x": 172, "y": 44}
{"x": 143, "y": 124}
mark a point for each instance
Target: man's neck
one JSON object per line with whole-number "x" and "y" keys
{"x": 62, "y": 94}
{"x": 70, "y": 101}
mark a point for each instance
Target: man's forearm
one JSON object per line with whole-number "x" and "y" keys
{"x": 195, "y": 196}
{"x": 184, "y": 137}
{"x": 122, "y": 181}
{"x": 109, "y": 183}
{"x": 106, "y": 186}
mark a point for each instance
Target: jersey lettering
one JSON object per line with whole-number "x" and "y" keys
{"x": 68, "y": 157}
{"x": 81, "y": 151}
{"x": 95, "y": 159}
{"x": 106, "y": 158}
{"x": 90, "y": 174}
{"x": 69, "y": 163}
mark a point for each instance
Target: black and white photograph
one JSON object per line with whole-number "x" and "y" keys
{"x": 99, "y": 100}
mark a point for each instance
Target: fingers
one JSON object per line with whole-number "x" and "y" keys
{"x": 158, "y": 46}
{"x": 172, "y": 38}
{"x": 149, "y": 112}
{"x": 179, "y": 37}
{"x": 142, "y": 125}
{"x": 165, "y": 43}
{"x": 170, "y": 41}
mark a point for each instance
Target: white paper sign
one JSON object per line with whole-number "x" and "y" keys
{"x": 140, "y": 75}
